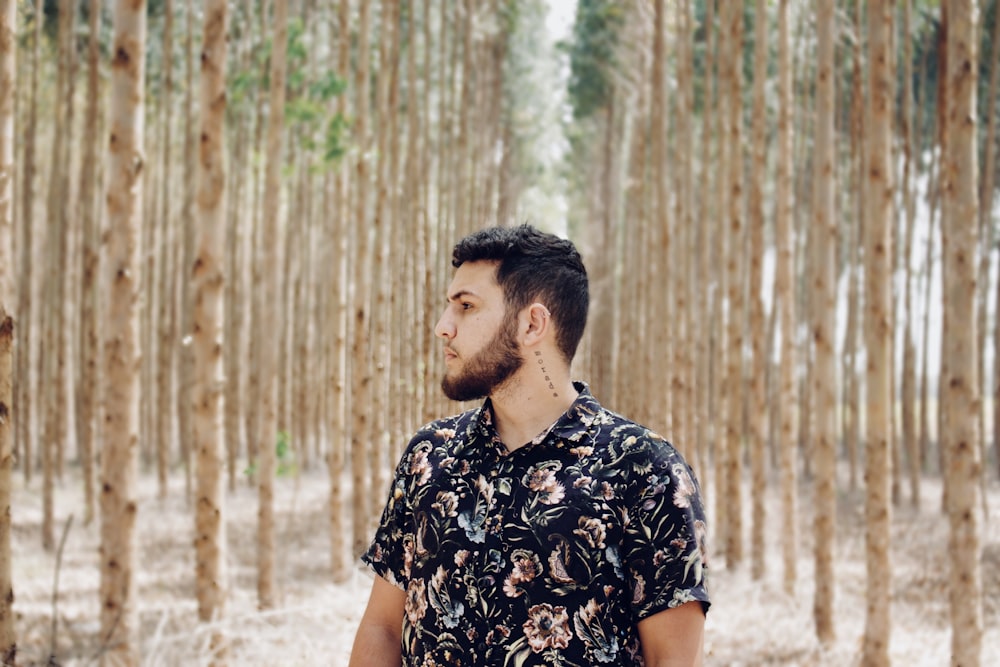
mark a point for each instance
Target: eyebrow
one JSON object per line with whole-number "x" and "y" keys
{"x": 462, "y": 293}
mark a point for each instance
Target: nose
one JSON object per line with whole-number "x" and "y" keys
{"x": 445, "y": 327}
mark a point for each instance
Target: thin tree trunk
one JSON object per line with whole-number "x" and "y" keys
{"x": 25, "y": 431}
{"x": 878, "y": 331}
{"x": 8, "y": 83}
{"x": 685, "y": 248}
{"x": 337, "y": 376}
{"x": 785, "y": 289}
{"x": 909, "y": 379}
{"x": 854, "y": 230}
{"x": 706, "y": 429}
{"x": 164, "y": 280}
{"x": 207, "y": 302}
{"x": 731, "y": 79}
{"x": 119, "y": 457}
{"x": 758, "y": 330}
{"x": 54, "y": 360}
{"x": 361, "y": 376}
{"x": 960, "y": 405}
{"x": 86, "y": 397}
{"x": 185, "y": 355}
{"x": 824, "y": 377}
{"x": 270, "y": 302}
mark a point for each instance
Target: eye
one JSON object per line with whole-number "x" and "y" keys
{"x": 466, "y": 305}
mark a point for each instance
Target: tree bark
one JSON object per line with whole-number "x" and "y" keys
{"x": 959, "y": 385}
{"x": 25, "y": 433}
{"x": 185, "y": 356}
{"x": 824, "y": 377}
{"x": 119, "y": 458}
{"x": 164, "y": 280}
{"x": 785, "y": 289}
{"x": 361, "y": 376}
{"x": 731, "y": 86}
{"x": 878, "y": 331}
{"x": 8, "y": 86}
{"x": 207, "y": 297}
{"x": 909, "y": 375}
{"x": 86, "y": 397}
{"x": 266, "y": 595}
{"x": 337, "y": 375}
{"x": 758, "y": 331}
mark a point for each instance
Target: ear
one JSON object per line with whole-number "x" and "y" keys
{"x": 537, "y": 324}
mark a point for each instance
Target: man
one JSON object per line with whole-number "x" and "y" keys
{"x": 540, "y": 528}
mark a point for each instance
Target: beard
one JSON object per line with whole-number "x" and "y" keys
{"x": 487, "y": 369}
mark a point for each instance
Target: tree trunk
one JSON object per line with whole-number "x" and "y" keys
{"x": 8, "y": 74}
{"x": 119, "y": 458}
{"x": 25, "y": 431}
{"x": 824, "y": 377}
{"x": 685, "y": 248}
{"x": 185, "y": 356}
{"x": 337, "y": 375}
{"x": 266, "y": 595}
{"x": 909, "y": 378}
{"x": 705, "y": 332}
{"x": 878, "y": 331}
{"x": 86, "y": 397}
{"x": 785, "y": 290}
{"x": 54, "y": 360}
{"x": 207, "y": 292}
{"x": 731, "y": 86}
{"x": 960, "y": 405}
{"x": 854, "y": 230}
{"x": 361, "y": 376}
{"x": 164, "y": 280}
{"x": 758, "y": 330}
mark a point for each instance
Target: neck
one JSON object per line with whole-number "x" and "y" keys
{"x": 525, "y": 407}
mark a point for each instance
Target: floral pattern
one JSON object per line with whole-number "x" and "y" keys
{"x": 548, "y": 555}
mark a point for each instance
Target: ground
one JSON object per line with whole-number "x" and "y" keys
{"x": 750, "y": 623}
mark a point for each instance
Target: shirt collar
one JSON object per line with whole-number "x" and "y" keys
{"x": 570, "y": 427}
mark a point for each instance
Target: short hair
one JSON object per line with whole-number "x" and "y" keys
{"x": 535, "y": 266}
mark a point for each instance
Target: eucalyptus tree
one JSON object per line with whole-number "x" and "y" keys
{"x": 959, "y": 437}
{"x": 878, "y": 322}
{"x": 823, "y": 278}
{"x": 785, "y": 302}
{"x": 87, "y": 376}
{"x": 266, "y": 595}
{"x": 732, "y": 217}
{"x": 758, "y": 332}
{"x": 8, "y": 81}
{"x": 120, "y": 397}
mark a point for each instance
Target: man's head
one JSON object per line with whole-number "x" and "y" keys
{"x": 533, "y": 266}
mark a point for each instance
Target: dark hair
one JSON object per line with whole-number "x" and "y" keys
{"x": 535, "y": 266}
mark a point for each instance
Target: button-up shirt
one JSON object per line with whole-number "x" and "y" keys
{"x": 547, "y": 555}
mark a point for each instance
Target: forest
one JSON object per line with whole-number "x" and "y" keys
{"x": 225, "y": 234}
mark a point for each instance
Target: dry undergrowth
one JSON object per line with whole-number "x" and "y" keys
{"x": 751, "y": 623}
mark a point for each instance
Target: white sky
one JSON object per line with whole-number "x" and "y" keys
{"x": 560, "y": 19}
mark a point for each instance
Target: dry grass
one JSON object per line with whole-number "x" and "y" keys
{"x": 751, "y": 622}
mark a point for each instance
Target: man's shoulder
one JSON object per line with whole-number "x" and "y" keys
{"x": 624, "y": 436}
{"x": 447, "y": 428}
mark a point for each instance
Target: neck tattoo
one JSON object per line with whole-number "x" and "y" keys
{"x": 545, "y": 373}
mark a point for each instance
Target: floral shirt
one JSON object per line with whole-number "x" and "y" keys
{"x": 548, "y": 555}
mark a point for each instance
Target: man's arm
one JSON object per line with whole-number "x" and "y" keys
{"x": 377, "y": 642}
{"x": 673, "y": 637}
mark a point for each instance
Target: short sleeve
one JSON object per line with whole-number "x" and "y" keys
{"x": 664, "y": 542}
{"x": 390, "y": 553}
